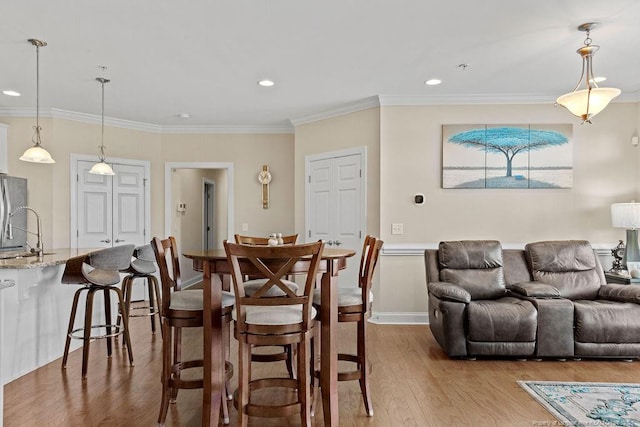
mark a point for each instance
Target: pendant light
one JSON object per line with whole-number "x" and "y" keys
{"x": 37, "y": 154}
{"x": 589, "y": 101}
{"x": 102, "y": 167}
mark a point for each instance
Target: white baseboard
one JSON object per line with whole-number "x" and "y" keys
{"x": 381, "y": 318}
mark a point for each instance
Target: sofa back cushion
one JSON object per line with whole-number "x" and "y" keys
{"x": 570, "y": 265}
{"x": 475, "y": 265}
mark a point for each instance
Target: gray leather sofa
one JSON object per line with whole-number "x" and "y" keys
{"x": 549, "y": 300}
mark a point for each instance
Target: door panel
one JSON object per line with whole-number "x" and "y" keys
{"x": 111, "y": 209}
{"x": 94, "y": 208}
{"x": 128, "y": 205}
{"x": 336, "y": 203}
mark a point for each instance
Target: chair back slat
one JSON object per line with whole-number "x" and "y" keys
{"x": 167, "y": 258}
{"x": 275, "y": 262}
{"x": 263, "y": 241}
{"x": 370, "y": 253}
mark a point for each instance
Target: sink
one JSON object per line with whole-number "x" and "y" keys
{"x": 15, "y": 254}
{"x": 20, "y": 254}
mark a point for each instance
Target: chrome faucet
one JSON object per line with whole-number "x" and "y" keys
{"x": 38, "y": 250}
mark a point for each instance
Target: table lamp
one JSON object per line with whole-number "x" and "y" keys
{"x": 627, "y": 216}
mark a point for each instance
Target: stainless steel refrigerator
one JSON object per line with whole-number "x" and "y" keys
{"x": 13, "y": 194}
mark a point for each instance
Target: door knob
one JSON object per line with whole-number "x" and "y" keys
{"x": 106, "y": 240}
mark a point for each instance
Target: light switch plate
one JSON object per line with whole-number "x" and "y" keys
{"x": 397, "y": 228}
{"x": 245, "y": 226}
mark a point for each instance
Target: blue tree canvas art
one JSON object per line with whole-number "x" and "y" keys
{"x": 513, "y": 156}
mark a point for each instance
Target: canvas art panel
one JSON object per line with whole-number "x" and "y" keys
{"x": 507, "y": 156}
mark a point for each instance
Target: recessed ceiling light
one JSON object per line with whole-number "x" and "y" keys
{"x": 11, "y": 93}
{"x": 184, "y": 115}
{"x": 433, "y": 82}
{"x": 266, "y": 83}
{"x": 598, "y": 79}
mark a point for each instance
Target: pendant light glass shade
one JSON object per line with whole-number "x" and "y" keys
{"x": 587, "y": 102}
{"x": 102, "y": 167}
{"x": 37, "y": 154}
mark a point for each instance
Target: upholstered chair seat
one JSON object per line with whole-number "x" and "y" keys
{"x": 346, "y": 296}
{"x": 193, "y": 300}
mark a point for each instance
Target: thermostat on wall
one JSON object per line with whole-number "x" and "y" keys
{"x": 418, "y": 199}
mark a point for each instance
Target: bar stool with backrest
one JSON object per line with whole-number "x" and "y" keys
{"x": 354, "y": 305}
{"x": 284, "y": 319}
{"x": 254, "y": 283}
{"x": 182, "y": 308}
{"x": 97, "y": 271}
{"x": 143, "y": 266}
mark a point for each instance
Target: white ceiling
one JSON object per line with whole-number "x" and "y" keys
{"x": 204, "y": 57}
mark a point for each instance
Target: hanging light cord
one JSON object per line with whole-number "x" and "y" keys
{"x": 36, "y": 136}
{"x": 102, "y": 155}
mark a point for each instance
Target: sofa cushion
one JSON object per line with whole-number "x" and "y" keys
{"x": 569, "y": 265}
{"x": 603, "y": 321}
{"x": 476, "y": 266}
{"x": 506, "y": 319}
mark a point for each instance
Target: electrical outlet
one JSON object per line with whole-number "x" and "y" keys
{"x": 245, "y": 226}
{"x": 397, "y": 228}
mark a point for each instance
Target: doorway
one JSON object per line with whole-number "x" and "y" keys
{"x": 184, "y": 208}
{"x": 335, "y": 201}
{"x": 107, "y": 210}
{"x": 208, "y": 214}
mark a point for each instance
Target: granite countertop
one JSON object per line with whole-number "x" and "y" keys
{"x": 52, "y": 257}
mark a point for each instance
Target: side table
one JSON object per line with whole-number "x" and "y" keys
{"x": 617, "y": 278}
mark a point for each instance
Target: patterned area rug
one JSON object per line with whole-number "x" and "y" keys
{"x": 588, "y": 404}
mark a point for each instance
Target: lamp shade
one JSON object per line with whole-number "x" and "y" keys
{"x": 625, "y": 215}
{"x": 101, "y": 168}
{"x": 587, "y": 103}
{"x": 37, "y": 154}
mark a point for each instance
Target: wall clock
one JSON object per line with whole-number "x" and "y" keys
{"x": 264, "y": 178}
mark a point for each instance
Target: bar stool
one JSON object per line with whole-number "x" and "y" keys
{"x": 354, "y": 305}
{"x": 254, "y": 283}
{"x": 183, "y": 309}
{"x": 97, "y": 271}
{"x": 286, "y": 319}
{"x": 143, "y": 266}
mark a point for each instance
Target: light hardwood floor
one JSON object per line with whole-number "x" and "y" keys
{"x": 413, "y": 384}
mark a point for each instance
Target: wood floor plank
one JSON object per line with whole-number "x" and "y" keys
{"x": 412, "y": 384}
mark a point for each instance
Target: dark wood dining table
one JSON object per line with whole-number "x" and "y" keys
{"x": 216, "y": 269}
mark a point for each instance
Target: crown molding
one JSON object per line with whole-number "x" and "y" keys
{"x": 352, "y": 107}
{"x": 144, "y": 127}
{"x": 222, "y": 129}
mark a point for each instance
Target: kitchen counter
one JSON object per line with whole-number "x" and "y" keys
{"x": 51, "y": 258}
{"x": 34, "y": 312}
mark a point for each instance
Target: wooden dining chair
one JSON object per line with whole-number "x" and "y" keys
{"x": 183, "y": 308}
{"x": 284, "y": 319}
{"x": 264, "y": 241}
{"x": 253, "y": 283}
{"x": 354, "y": 305}
{"x": 97, "y": 271}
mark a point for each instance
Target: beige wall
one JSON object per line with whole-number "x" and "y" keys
{"x": 359, "y": 129}
{"x": 49, "y": 184}
{"x": 404, "y": 156}
{"x": 247, "y": 153}
{"x": 605, "y": 171}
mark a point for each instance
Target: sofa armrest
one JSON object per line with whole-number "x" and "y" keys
{"x": 535, "y": 290}
{"x": 619, "y": 292}
{"x": 449, "y": 292}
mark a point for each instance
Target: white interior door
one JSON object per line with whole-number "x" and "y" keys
{"x": 94, "y": 207}
{"x": 109, "y": 210}
{"x": 128, "y": 205}
{"x": 335, "y": 204}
